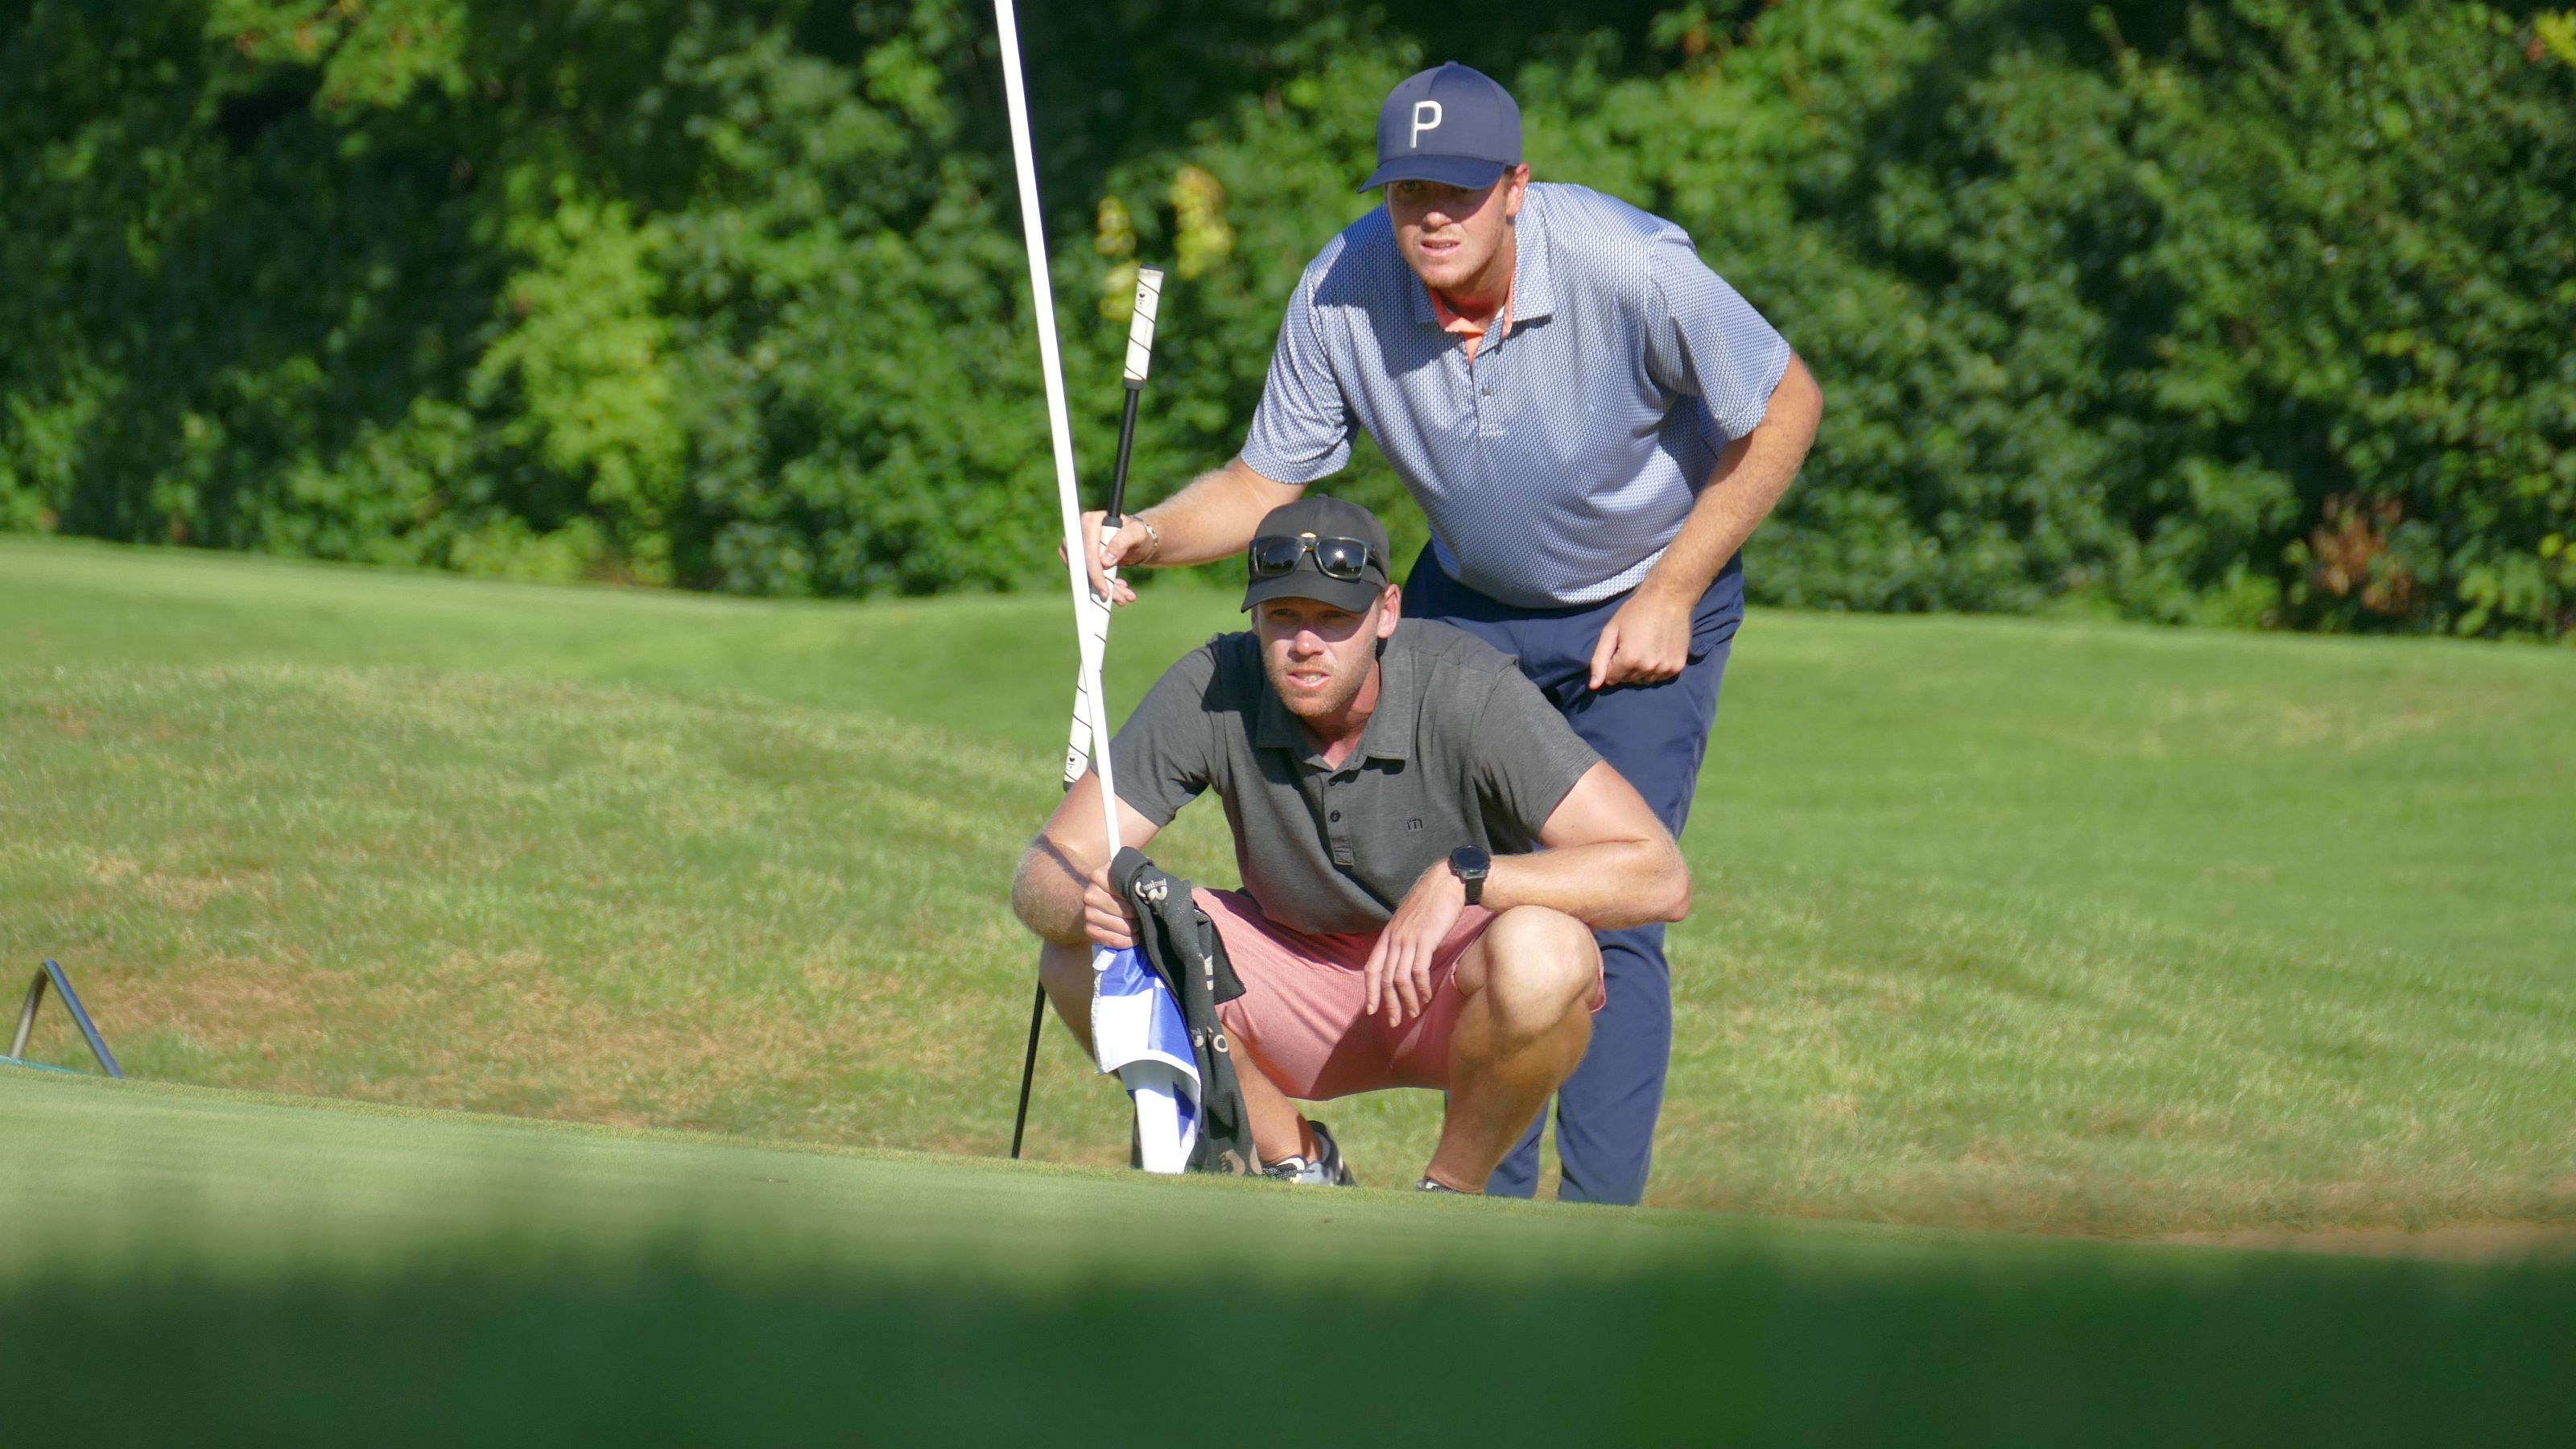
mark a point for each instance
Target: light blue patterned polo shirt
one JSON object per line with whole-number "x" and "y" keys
{"x": 1558, "y": 466}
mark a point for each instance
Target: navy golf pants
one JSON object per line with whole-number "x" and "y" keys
{"x": 1655, "y": 735}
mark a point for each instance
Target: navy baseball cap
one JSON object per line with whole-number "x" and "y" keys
{"x": 1313, "y": 529}
{"x": 1451, "y": 125}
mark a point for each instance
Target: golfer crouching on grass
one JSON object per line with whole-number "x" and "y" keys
{"x": 1426, "y": 849}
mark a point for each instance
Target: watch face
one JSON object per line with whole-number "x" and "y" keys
{"x": 1469, "y": 865}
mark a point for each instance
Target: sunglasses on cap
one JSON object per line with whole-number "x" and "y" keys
{"x": 1336, "y": 558}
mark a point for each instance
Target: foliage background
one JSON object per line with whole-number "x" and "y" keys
{"x": 2235, "y": 311}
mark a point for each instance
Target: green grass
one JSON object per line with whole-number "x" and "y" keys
{"x": 187, "y": 1265}
{"x": 2069, "y": 927}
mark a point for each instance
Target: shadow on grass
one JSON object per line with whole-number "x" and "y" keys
{"x": 679, "y": 1344}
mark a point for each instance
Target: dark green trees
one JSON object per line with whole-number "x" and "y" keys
{"x": 2234, "y": 311}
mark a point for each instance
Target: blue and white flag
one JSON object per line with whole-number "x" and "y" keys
{"x": 1136, "y": 1028}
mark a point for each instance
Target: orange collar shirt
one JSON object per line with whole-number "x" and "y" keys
{"x": 1469, "y": 331}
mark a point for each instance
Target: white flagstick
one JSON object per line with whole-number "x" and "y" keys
{"x": 1068, "y": 494}
{"x": 1157, "y": 1088}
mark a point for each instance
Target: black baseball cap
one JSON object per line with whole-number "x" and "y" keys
{"x": 1451, "y": 125}
{"x": 1321, "y": 517}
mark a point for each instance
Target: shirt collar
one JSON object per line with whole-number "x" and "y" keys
{"x": 1533, "y": 285}
{"x": 1388, "y": 735}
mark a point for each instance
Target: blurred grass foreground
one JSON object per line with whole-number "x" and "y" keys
{"x": 186, "y": 1265}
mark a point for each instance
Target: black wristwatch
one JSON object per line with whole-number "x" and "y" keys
{"x": 1471, "y": 866}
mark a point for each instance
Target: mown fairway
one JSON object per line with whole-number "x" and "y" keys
{"x": 2065, "y": 926}
{"x": 184, "y": 1266}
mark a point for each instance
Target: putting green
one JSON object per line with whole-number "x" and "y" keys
{"x": 1999, "y": 923}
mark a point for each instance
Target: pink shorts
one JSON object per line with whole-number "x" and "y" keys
{"x": 1303, "y": 1011}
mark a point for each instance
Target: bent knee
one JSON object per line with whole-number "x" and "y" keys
{"x": 1537, "y": 954}
{"x": 1542, "y": 931}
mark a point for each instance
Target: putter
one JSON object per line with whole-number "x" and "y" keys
{"x": 1095, "y": 618}
{"x": 1095, "y": 609}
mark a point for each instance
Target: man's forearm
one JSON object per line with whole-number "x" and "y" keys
{"x": 1214, "y": 516}
{"x": 1605, "y": 886}
{"x": 1748, "y": 482}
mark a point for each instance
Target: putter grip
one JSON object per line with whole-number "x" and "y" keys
{"x": 1140, "y": 328}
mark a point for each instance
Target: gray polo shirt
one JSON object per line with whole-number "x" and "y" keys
{"x": 1558, "y": 466}
{"x": 1462, "y": 750}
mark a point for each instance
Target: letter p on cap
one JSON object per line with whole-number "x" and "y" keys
{"x": 1426, "y": 117}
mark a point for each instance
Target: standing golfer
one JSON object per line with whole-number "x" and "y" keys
{"x": 1426, "y": 850}
{"x": 1594, "y": 423}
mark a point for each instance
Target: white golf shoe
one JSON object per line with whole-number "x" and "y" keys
{"x": 1327, "y": 1170}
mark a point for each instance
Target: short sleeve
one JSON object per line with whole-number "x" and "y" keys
{"x": 1527, "y": 759}
{"x": 1164, "y": 756}
{"x": 1302, "y": 429}
{"x": 1705, "y": 340}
